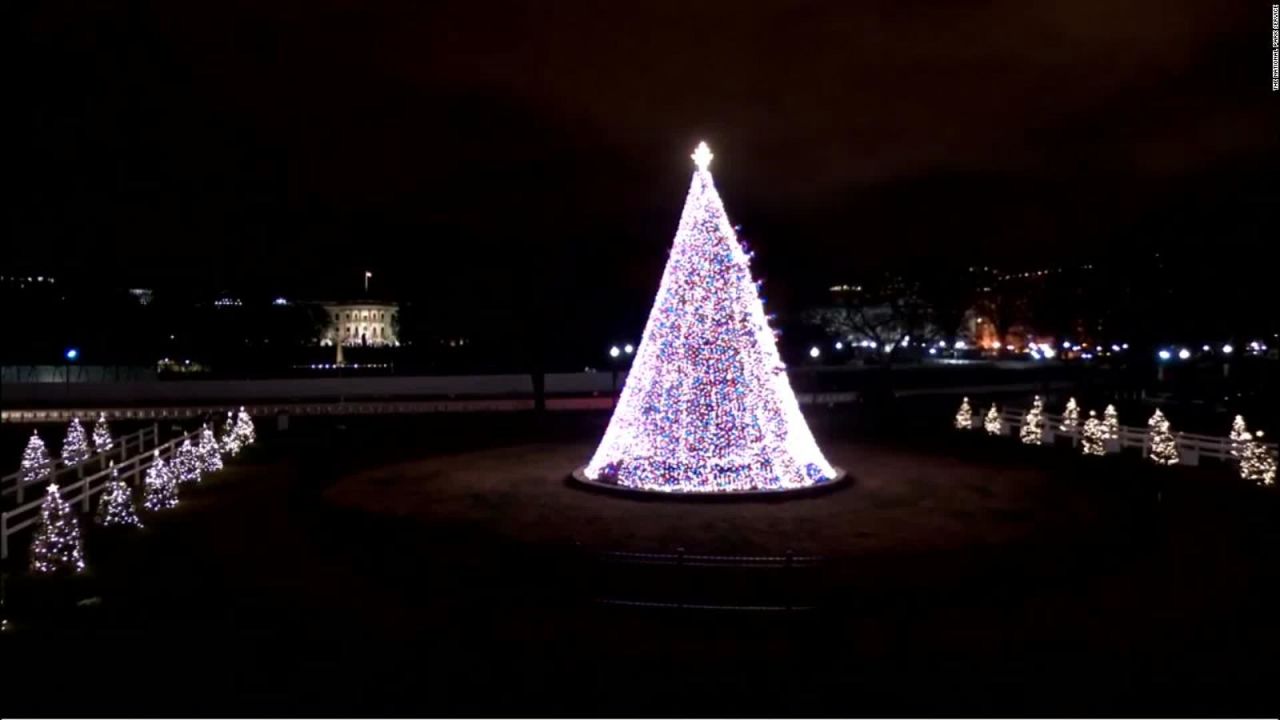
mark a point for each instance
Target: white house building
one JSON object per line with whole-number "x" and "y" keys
{"x": 361, "y": 323}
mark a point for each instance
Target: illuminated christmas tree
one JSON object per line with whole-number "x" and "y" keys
{"x": 991, "y": 423}
{"x": 1032, "y": 431}
{"x": 230, "y": 440}
{"x": 1111, "y": 423}
{"x": 102, "y": 441}
{"x": 75, "y": 446}
{"x": 244, "y": 428}
{"x": 36, "y": 463}
{"x": 964, "y": 416}
{"x": 1238, "y": 433}
{"x": 1091, "y": 440}
{"x": 1256, "y": 461}
{"x": 707, "y": 406}
{"x": 116, "y": 509}
{"x": 56, "y": 545}
{"x": 1164, "y": 446}
{"x": 159, "y": 487}
{"x": 1070, "y": 417}
{"x": 186, "y": 464}
{"x": 210, "y": 454}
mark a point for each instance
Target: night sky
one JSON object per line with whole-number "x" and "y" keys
{"x": 497, "y": 159}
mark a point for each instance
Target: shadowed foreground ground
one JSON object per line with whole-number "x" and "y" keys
{"x": 428, "y": 566}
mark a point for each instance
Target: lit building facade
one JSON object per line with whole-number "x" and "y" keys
{"x": 361, "y": 323}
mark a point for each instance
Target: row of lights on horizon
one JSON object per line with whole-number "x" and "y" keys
{"x": 1045, "y": 350}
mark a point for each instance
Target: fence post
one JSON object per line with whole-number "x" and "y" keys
{"x": 787, "y": 582}
{"x": 84, "y": 506}
{"x": 683, "y": 582}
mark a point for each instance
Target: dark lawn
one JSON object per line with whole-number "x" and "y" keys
{"x": 961, "y": 576}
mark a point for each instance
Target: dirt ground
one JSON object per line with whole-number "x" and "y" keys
{"x": 441, "y": 565}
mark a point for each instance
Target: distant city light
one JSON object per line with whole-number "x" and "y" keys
{"x": 72, "y": 354}
{"x": 1165, "y": 354}
{"x": 814, "y": 351}
{"x": 1183, "y": 354}
{"x": 1047, "y": 351}
{"x": 933, "y": 351}
{"x": 280, "y": 301}
{"x": 628, "y": 348}
{"x": 1116, "y": 348}
{"x": 614, "y": 351}
{"x": 1205, "y": 348}
{"x": 959, "y": 345}
{"x": 839, "y": 345}
{"x": 1227, "y": 349}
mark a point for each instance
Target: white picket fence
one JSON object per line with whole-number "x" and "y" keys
{"x": 121, "y": 448}
{"x": 87, "y": 485}
{"x": 1192, "y": 447}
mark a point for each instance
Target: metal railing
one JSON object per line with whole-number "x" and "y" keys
{"x": 121, "y": 447}
{"x": 1192, "y": 447}
{"x": 86, "y": 486}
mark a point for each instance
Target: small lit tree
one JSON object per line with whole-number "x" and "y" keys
{"x": 1091, "y": 439}
{"x": 159, "y": 489}
{"x": 102, "y": 441}
{"x": 210, "y": 454}
{"x": 1238, "y": 433}
{"x": 1070, "y": 417}
{"x": 1256, "y": 461}
{"x": 116, "y": 509}
{"x": 244, "y": 428}
{"x": 56, "y": 546}
{"x": 1164, "y": 446}
{"x": 36, "y": 463}
{"x": 1111, "y": 423}
{"x": 230, "y": 439}
{"x": 186, "y": 464}
{"x": 1032, "y": 432}
{"x": 992, "y": 423}
{"x": 75, "y": 446}
{"x": 964, "y": 416}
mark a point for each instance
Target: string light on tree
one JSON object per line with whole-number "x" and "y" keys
{"x": 244, "y": 428}
{"x": 36, "y": 463}
{"x": 1093, "y": 436}
{"x": 964, "y": 416}
{"x": 707, "y": 406}
{"x": 230, "y": 438}
{"x": 102, "y": 441}
{"x": 210, "y": 454}
{"x": 159, "y": 488}
{"x": 56, "y": 546}
{"x": 1111, "y": 423}
{"x": 116, "y": 509}
{"x": 75, "y": 446}
{"x": 1032, "y": 432}
{"x": 1256, "y": 461}
{"x": 1070, "y": 417}
{"x": 186, "y": 464}
{"x": 1238, "y": 433}
{"x": 991, "y": 423}
{"x": 1164, "y": 446}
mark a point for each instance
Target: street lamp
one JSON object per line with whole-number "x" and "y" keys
{"x": 628, "y": 348}
{"x": 72, "y": 354}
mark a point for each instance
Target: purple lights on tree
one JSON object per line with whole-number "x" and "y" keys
{"x": 707, "y": 406}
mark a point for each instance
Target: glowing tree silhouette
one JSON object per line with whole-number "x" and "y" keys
{"x": 707, "y": 406}
{"x": 964, "y": 416}
{"x": 102, "y": 441}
